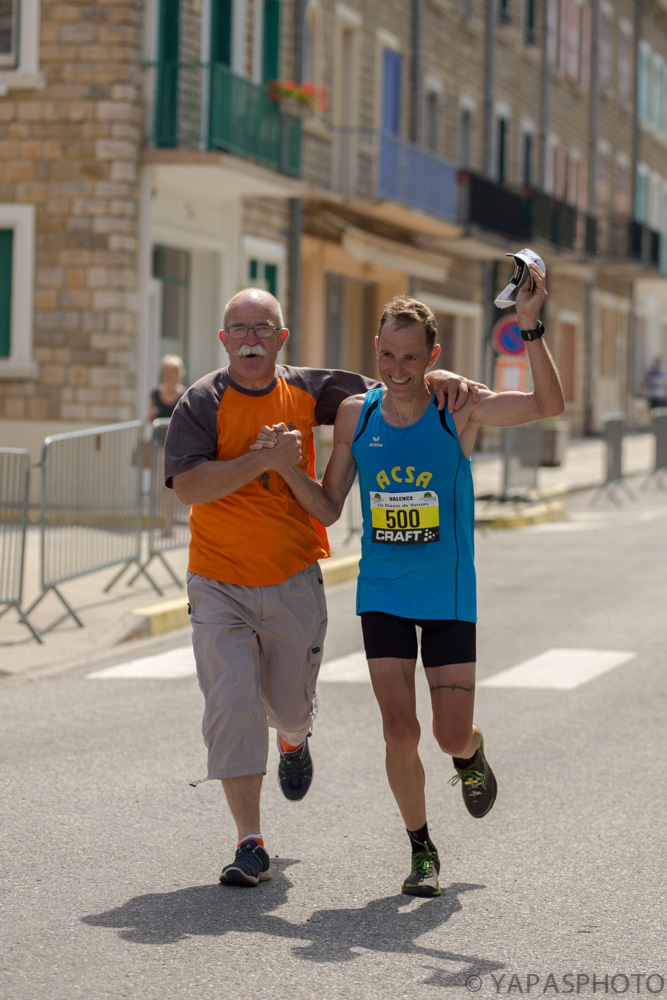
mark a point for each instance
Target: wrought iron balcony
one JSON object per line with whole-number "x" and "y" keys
{"x": 204, "y": 106}
{"x": 492, "y": 206}
{"x": 375, "y": 164}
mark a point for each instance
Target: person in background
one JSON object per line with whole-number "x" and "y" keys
{"x": 163, "y": 399}
{"x": 655, "y": 384}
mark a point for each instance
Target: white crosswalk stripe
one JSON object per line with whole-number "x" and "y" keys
{"x": 559, "y": 669}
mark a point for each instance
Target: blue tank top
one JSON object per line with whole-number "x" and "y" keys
{"x": 417, "y": 499}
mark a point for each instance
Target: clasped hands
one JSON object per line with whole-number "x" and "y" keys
{"x": 285, "y": 445}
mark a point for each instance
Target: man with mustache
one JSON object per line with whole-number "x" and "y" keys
{"x": 417, "y": 552}
{"x": 258, "y": 610}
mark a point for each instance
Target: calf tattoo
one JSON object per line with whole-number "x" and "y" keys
{"x": 451, "y": 687}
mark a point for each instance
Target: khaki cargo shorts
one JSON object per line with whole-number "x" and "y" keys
{"x": 258, "y": 652}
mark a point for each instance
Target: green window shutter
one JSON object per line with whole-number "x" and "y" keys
{"x": 6, "y": 240}
{"x": 252, "y": 270}
{"x": 271, "y": 67}
{"x": 271, "y": 278}
{"x": 221, "y": 32}
{"x": 166, "y": 105}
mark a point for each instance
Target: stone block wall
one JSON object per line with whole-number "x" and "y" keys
{"x": 72, "y": 149}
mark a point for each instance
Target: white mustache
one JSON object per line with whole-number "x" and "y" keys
{"x": 246, "y": 349}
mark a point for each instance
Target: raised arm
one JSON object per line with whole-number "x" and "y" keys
{"x": 508, "y": 409}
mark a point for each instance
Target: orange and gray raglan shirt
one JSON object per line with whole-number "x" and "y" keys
{"x": 259, "y": 535}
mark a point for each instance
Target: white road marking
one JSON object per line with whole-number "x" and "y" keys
{"x": 177, "y": 663}
{"x": 173, "y": 664}
{"x": 561, "y": 669}
{"x": 350, "y": 669}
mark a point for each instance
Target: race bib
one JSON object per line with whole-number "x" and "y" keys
{"x": 405, "y": 518}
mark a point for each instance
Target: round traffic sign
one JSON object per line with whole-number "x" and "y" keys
{"x": 506, "y": 337}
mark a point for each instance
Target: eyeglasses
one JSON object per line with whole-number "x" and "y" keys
{"x": 261, "y": 330}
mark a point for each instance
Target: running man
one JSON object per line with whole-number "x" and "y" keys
{"x": 417, "y": 563}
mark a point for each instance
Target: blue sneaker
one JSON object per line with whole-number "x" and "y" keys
{"x": 250, "y": 865}
{"x": 295, "y": 771}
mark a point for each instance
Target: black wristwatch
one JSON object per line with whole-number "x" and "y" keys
{"x": 533, "y": 334}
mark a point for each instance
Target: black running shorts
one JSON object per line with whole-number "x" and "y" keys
{"x": 443, "y": 641}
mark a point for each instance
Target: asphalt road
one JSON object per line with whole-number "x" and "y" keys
{"x": 110, "y": 860}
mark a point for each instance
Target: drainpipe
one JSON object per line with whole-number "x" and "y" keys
{"x": 296, "y": 221}
{"x": 632, "y": 318}
{"x": 417, "y": 18}
{"x": 546, "y": 96}
{"x": 589, "y": 339}
{"x": 491, "y": 18}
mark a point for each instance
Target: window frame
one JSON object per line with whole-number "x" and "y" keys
{"x": 25, "y": 75}
{"x": 20, "y": 363}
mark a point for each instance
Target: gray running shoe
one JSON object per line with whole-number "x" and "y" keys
{"x": 423, "y": 877}
{"x": 478, "y": 784}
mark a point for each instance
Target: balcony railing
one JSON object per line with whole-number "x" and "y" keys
{"x": 489, "y": 205}
{"x": 371, "y": 163}
{"x": 621, "y": 238}
{"x": 205, "y": 106}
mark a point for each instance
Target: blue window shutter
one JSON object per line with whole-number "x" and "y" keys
{"x": 391, "y": 92}
{"x": 6, "y": 241}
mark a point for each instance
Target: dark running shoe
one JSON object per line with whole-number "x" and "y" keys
{"x": 478, "y": 784}
{"x": 295, "y": 771}
{"x": 250, "y": 865}
{"x": 423, "y": 877}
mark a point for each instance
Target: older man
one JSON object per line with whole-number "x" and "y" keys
{"x": 255, "y": 589}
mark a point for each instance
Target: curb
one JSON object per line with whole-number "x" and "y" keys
{"x": 538, "y": 513}
{"x": 167, "y": 615}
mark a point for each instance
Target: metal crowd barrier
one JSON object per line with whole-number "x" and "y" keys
{"x": 168, "y": 521}
{"x": 613, "y": 432}
{"x": 14, "y": 490}
{"x": 522, "y": 457}
{"x": 90, "y": 505}
{"x": 659, "y": 428}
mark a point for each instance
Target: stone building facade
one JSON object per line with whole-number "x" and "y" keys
{"x": 145, "y": 177}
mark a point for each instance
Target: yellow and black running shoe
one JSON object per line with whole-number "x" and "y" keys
{"x": 423, "y": 877}
{"x": 478, "y": 784}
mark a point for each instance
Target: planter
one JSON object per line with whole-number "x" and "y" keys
{"x": 295, "y": 109}
{"x": 554, "y": 442}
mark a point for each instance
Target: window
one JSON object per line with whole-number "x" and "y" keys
{"x": 656, "y": 103}
{"x": 606, "y": 47}
{"x": 643, "y": 89}
{"x": 567, "y": 362}
{"x": 552, "y": 32}
{"x": 502, "y": 128}
{"x": 263, "y": 275}
{"x": 431, "y": 121}
{"x": 19, "y": 43}
{"x": 171, "y": 267}
{"x": 465, "y": 138}
{"x": 625, "y": 63}
{"x": 527, "y": 155}
{"x": 271, "y": 60}
{"x": 17, "y": 264}
{"x": 531, "y": 23}
{"x": 641, "y": 193}
{"x": 504, "y": 16}
{"x": 9, "y": 33}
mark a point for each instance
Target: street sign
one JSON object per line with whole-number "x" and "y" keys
{"x": 506, "y": 337}
{"x": 511, "y": 374}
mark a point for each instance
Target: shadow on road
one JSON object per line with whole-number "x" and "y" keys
{"x": 390, "y": 925}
